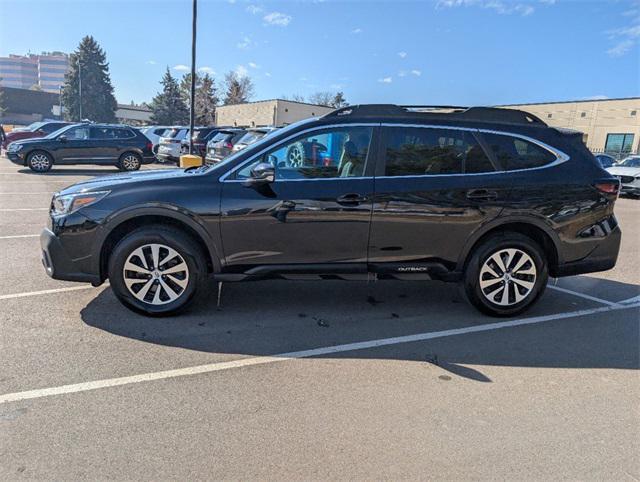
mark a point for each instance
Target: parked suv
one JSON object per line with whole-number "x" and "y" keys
{"x": 170, "y": 142}
{"x": 493, "y": 199}
{"x": 221, "y": 145}
{"x": 108, "y": 144}
{"x": 200, "y": 137}
{"x": 32, "y": 131}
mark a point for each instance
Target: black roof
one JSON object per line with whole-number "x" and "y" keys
{"x": 439, "y": 112}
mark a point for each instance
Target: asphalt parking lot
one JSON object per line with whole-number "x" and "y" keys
{"x": 311, "y": 380}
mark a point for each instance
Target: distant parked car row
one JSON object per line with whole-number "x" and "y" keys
{"x": 628, "y": 171}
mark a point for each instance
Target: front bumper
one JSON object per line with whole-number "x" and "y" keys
{"x": 16, "y": 158}
{"x": 59, "y": 264}
{"x": 632, "y": 189}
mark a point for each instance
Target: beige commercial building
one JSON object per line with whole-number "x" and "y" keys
{"x": 610, "y": 125}
{"x": 276, "y": 112}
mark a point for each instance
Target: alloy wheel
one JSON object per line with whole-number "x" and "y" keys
{"x": 156, "y": 274}
{"x": 130, "y": 162}
{"x": 507, "y": 277}
{"x": 295, "y": 156}
{"x": 39, "y": 161}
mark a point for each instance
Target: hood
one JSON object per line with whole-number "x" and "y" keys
{"x": 21, "y": 135}
{"x": 26, "y": 140}
{"x": 624, "y": 171}
{"x": 134, "y": 179}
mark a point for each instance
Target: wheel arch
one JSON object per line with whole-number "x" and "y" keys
{"x": 39, "y": 149}
{"x": 533, "y": 228}
{"x": 117, "y": 227}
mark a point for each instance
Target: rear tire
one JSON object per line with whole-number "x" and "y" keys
{"x": 39, "y": 161}
{"x": 506, "y": 274}
{"x": 129, "y": 161}
{"x": 170, "y": 266}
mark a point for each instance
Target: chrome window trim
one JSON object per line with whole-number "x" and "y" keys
{"x": 223, "y": 178}
{"x": 561, "y": 157}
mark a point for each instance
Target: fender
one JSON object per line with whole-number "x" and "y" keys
{"x": 537, "y": 221}
{"x": 157, "y": 209}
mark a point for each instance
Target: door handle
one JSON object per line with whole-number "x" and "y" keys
{"x": 351, "y": 199}
{"x": 482, "y": 195}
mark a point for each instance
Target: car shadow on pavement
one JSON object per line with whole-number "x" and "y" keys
{"x": 72, "y": 171}
{"x": 271, "y": 317}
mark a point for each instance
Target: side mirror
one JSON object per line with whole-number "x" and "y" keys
{"x": 263, "y": 173}
{"x": 62, "y": 138}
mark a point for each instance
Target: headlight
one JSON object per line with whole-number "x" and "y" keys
{"x": 15, "y": 147}
{"x": 72, "y": 202}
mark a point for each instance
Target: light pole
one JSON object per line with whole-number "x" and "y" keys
{"x": 80, "y": 86}
{"x": 193, "y": 74}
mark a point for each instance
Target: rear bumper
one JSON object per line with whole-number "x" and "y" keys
{"x": 166, "y": 157}
{"x": 602, "y": 258}
{"x": 148, "y": 159}
{"x": 59, "y": 264}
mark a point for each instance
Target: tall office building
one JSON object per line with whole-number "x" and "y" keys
{"x": 26, "y": 71}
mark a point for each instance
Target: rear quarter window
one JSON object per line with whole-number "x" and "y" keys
{"x": 513, "y": 153}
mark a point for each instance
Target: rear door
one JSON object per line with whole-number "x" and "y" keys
{"x": 104, "y": 145}
{"x": 434, "y": 187}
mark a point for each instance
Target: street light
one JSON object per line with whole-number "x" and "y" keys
{"x": 193, "y": 75}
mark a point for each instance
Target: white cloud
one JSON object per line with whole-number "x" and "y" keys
{"x": 278, "y": 19}
{"x": 253, "y": 65}
{"x": 385, "y": 80}
{"x": 626, "y": 38}
{"x": 242, "y": 71}
{"x": 151, "y": 62}
{"x": 621, "y": 48}
{"x": 357, "y": 30}
{"x": 267, "y": 74}
{"x": 402, "y": 73}
{"x": 181, "y": 67}
{"x": 245, "y": 43}
{"x": 207, "y": 70}
{"x": 502, "y": 7}
{"x": 402, "y": 55}
{"x": 254, "y": 9}
{"x": 596, "y": 97}
{"x": 416, "y": 72}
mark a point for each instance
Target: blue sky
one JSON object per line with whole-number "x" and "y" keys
{"x": 437, "y": 52}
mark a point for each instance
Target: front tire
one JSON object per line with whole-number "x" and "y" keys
{"x": 506, "y": 274}
{"x": 129, "y": 161}
{"x": 39, "y": 161}
{"x": 157, "y": 271}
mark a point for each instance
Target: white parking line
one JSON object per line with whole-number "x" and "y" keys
{"x": 44, "y": 292}
{"x": 582, "y": 295}
{"x": 20, "y": 236}
{"x": 263, "y": 360}
{"x": 635, "y": 299}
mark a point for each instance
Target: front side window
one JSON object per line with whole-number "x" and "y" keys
{"x": 329, "y": 153}
{"x": 77, "y": 133}
{"x": 417, "y": 151}
{"x": 513, "y": 153}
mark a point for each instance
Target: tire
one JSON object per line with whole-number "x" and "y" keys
{"x": 129, "y": 161}
{"x": 39, "y": 161}
{"x": 157, "y": 294}
{"x": 526, "y": 275}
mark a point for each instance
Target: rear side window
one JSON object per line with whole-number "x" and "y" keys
{"x": 430, "y": 152}
{"x": 514, "y": 153}
{"x": 102, "y": 133}
{"x": 124, "y": 134}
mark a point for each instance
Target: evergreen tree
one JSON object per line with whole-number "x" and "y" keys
{"x": 89, "y": 63}
{"x": 206, "y": 101}
{"x": 339, "y": 100}
{"x": 238, "y": 89}
{"x": 3, "y": 107}
{"x": 328, "y": 99}
{"x": 168, "y": 107}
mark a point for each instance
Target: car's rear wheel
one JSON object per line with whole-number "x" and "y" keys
{"x": 157, "y": 271}
{"x": 129, "y": 161}
{"x": 506, "y": 274}
{"x": 39, "y": 161}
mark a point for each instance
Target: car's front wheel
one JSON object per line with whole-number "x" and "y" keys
{"x": 39, "y": 161}
{"x": 129, "y": 161}
{"x": 506, "y": 274}
{"x": 157, "y": 271}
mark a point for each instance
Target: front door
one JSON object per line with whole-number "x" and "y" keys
{"x": 75, "y": 146}
{"x": 316, "y": 212}
{"x": 434, "y": 187}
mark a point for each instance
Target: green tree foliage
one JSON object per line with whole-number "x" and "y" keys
{"x": 99, "y": 104}
{"x": 168, "y": 107}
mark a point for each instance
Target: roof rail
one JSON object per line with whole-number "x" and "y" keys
{"x": 449, "y": 112}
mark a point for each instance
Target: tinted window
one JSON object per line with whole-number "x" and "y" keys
{"x": 514, "y": 153}
{"x": 49, "y": 128}
{"x": 102, "y": 133}
{"x": 426, "y": 151}
{"x": 330, "y": 153}
{"x": 160, "y": 132}
{"x": 124, "y": 134}
{"x": 77, "y": 133}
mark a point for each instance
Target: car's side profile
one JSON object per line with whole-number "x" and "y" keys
{"x": 493, "y": 199}
{"x": 87, "y": 143}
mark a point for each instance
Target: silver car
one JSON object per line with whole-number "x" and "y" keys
{"x": 169, "y": 150}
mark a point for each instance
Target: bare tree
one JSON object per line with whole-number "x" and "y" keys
{"x": 322, "y": 98}
{"x": 294, "y": 97}
{"x": 238, "y": 89}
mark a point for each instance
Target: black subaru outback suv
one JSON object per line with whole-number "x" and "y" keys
{"x": 491, "y": 198}
{"x": 87, "y": 143}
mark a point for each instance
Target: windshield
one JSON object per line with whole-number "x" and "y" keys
{"x": 35, "y": 126}
{"x": 631, "y": 162}
{"x": 251, "y": 137}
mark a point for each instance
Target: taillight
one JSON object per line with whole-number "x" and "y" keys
{"x": 149, "y": 145}
{"x": 228, "y": 145}
{"x": 609, "y": 186}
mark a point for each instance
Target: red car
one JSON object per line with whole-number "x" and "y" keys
{"x": 37, "y": 129}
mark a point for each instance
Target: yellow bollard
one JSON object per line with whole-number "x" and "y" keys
{"x": 189, "y": 160}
